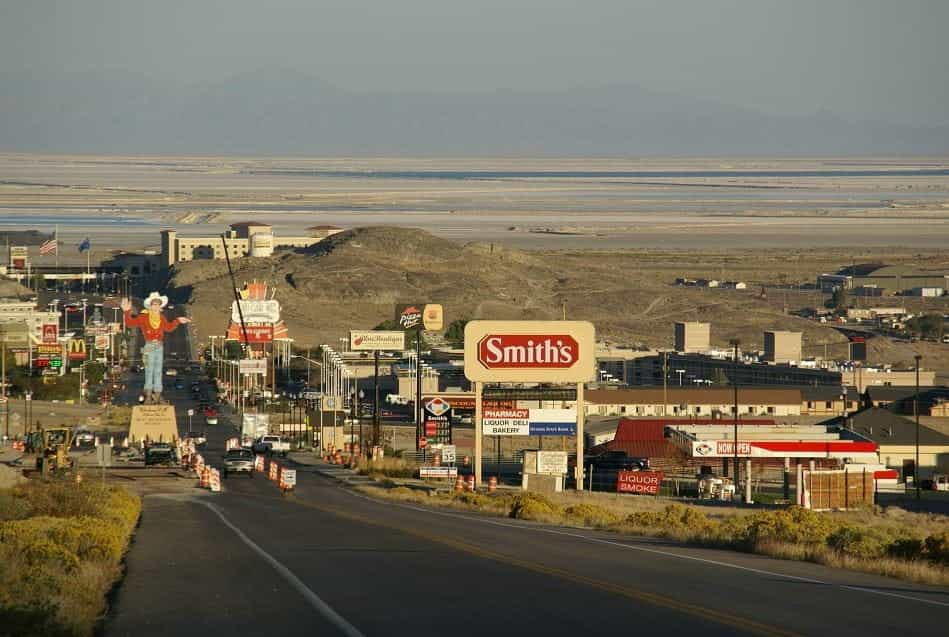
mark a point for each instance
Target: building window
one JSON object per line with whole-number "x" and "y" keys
{"x": 829, "y": 404}
{"x": 771, "y": 410}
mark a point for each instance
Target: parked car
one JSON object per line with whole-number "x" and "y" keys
{"x": 271, "y": 445}
{"x": 210, "y": 416}
{"x": 239, "y": 461}
{"x": 84, "y": 437}
{"x": 179, "y": 384}
{"x": 171, "y": 371}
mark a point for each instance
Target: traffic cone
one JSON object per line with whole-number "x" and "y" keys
{"x": 471, "y": 483}
{"x": 459, "y": 484}
{"x": 492, "y": 484}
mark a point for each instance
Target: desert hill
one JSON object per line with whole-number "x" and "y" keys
{"x": 353, "y": 279}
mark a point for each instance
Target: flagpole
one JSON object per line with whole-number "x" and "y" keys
{"x": 56, "y": 238}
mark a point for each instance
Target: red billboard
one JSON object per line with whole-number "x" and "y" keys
{"x": 643, "y": 482}
{"x": 255, "y": 333}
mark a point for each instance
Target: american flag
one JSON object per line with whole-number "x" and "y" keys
{"x": 49, "y": 246}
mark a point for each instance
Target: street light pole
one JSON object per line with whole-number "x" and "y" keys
{"x": 917, "y": 357}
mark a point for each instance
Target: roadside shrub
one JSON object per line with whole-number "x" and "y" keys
{"x": 532, "y": 506}
{"x": 471, "y": 499}
{"x": 937, "y": 547}
{"x": 860, "y": 542}
{"x": 590, "y": 514}
{"x": 12, "y": 506}
{"x": 794, "y": 525}
{"x": 673, "y": 520}
{"x": 907, "y": 548}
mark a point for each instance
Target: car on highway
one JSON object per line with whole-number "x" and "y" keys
{"x": 171, "y": 371}
{"x": 211, "y": 415}
{"x": 84, "y": 437}
{"x": 179, "y": 384}
{"x": 238, "y": 461}
{"x": 198, "y": 437}
{"x": 159, "y": 453}
{"x": 271, "y": 445}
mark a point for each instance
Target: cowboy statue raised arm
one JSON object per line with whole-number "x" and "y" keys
{"x": 153, "y": 324}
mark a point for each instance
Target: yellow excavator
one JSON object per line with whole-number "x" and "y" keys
{"x": 54, "y": 450}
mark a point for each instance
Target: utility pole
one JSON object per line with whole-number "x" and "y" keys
{"x": 3, "y": 381}
{"x": 735, "y": 342}
{"x": 375, "y": 401}
{"x": 665, "y": 375}
{"x": 917, "y": 357}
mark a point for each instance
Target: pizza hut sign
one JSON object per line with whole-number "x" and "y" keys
{"x": 529, "y": 351}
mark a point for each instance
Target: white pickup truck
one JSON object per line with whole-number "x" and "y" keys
{"x": 271, "y": 445}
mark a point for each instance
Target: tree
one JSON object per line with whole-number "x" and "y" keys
{"x": 838, "y": 300}
{"x": 455, "y": 334}
{"x": 926, "y": 326}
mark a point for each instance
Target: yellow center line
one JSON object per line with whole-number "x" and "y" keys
{"x": 654, "y": 599}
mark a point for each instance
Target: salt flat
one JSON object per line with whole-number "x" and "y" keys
{"x": 561, "y": 204}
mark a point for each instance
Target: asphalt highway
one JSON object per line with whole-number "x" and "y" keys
{"x": 326, "y": 560}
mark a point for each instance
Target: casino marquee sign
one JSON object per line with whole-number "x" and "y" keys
{"x": 530, "y": 351}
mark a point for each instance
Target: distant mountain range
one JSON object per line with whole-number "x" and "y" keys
{"x": 286, "y": 112}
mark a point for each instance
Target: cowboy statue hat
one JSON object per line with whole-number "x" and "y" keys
{"x": 155, "y": 296}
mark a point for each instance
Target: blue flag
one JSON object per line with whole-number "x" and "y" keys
{"x": 85, "y": 245}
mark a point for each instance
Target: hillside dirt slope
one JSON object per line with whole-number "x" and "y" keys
{"x": 354, "y": 279}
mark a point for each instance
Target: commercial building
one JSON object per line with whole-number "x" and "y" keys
{"x": 864, "y": 378}
{"x": 782, "y": 347}
{"x": 692, "y": 337}
{"x": 896, "y": 437}
{"x": 243, "y": 239}
{"x": 901, "y": 400}
{"x": 699, "y": 402}
{"x": 893, "y": 279}
{"x": 21, "y": 323}
{"x": 690, "y": 369}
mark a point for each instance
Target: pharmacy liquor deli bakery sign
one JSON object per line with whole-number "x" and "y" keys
{"x": 530, "y": 351}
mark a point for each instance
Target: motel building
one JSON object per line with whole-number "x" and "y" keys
{"x": 709, "y": 402}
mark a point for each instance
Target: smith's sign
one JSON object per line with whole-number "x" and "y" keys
{"x": 529, "y": 351}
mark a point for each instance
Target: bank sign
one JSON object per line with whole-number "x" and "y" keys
{"x": 530, "y": 351}
{"x": 529, "y": 422}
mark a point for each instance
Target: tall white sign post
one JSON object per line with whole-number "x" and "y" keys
{"x": 529, "y": 352}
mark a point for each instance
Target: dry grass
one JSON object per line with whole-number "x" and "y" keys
{"x": 891, "y": 542}
{"x": 61, "y": 547}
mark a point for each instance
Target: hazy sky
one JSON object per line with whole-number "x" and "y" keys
{"x": 860, "y": 58}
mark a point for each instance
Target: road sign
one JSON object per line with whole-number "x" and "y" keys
{"x": 644, "y": 482}
{"x": 256, "y": 311}
{"x": 530, "y": 351}
{"x": 369, "y": 340}
{"x": 433, "y": 317}
{"x": 77, "y": 349}
{"x": 288, "y": 478}
{"x": 191, "y": 412}
{"x": 449, "y": 453}
{"x": 50, "y": 334}
{"x": 253, "y": 366}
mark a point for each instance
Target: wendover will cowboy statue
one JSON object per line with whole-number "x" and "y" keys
{"x": 154, "y": 325}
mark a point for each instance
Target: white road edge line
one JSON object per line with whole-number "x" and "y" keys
{"x": 315, "y": 600}
{"x": 649, "y": 550}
